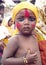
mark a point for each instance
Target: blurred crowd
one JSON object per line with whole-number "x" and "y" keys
{"x": 7, "y": 25}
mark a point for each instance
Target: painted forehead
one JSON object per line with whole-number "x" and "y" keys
{"x": 25, "y": 12}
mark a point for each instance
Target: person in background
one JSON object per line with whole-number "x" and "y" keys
{"x": 27, "y": 46}
{"x": 41, "y": 25}
{"x": 3, "y": 38}
{"x": 2, "y": 10}
{"x": 9, "y": 26}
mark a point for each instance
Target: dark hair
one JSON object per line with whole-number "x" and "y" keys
{"x": 1, "y": 1}
{"x": 16, "y": 1}
{"x": 33, "y": 1}
{"x": 9, "y": 20}
{"x": 1, "y": 6}
{"x": 0, "y": 21}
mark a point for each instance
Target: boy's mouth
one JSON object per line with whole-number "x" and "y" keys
{"x": 26, "y": 28}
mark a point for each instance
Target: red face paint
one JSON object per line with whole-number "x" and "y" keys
{"x": 33, "y": 25}
{"x": 27, "y": 14}
{"x": 18, "y": 25}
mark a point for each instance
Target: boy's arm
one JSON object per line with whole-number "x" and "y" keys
{"x": 7, "y": 58}
{"x": 13, "y": 61}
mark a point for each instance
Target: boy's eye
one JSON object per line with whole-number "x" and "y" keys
{"x": 32, "y": 18}
{"x": 21, "y": 19}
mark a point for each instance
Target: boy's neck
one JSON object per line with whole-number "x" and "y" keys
{"x": 26, "y": 35}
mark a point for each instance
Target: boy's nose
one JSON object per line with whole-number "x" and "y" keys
{"x": 26, "y": 21}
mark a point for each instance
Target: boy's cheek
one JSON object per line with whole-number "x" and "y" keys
{"x": 33, "y": 25}
{"x": 18, "y": 25}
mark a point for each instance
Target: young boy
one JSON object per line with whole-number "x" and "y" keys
{"x": 23, "y": 49}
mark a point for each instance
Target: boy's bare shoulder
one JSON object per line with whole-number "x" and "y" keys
{"x": 13, "y": 40}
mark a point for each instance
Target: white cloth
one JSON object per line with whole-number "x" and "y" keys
{"x": 3, "y": 32}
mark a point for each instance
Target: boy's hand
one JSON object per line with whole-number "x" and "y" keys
{"x": 31, "y": 58}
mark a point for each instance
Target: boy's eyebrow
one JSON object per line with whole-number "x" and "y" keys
{"x": 32, "y": 16}
{"x": 21, "y": 14}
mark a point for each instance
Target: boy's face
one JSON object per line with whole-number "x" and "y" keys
{"x": 25, "y": 21}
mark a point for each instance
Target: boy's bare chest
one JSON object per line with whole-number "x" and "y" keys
{"x": 25, "y": 45}
{"x": 31, "y": 44}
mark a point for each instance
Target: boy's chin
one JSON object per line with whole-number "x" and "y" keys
{"x": 26, "y": 33}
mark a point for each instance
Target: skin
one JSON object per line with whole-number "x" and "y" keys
{"x": 24, "y": 44}
{"x": 10, "y": 22}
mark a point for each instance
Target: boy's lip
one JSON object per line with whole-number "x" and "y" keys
{"x": 26, "y": 28}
